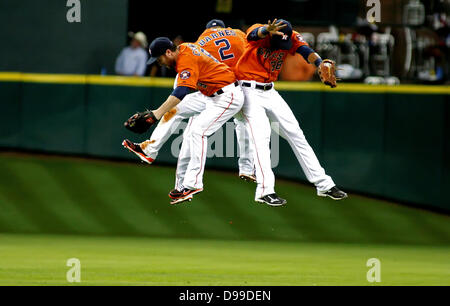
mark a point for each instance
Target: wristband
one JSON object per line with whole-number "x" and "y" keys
{"x": 318, "y": 62}
{"x": 264, "y": 31}
{"x": 180, "y": 92}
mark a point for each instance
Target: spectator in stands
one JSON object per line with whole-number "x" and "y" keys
{"x": 132, "y": 61}
{"x": 440, "y": 23}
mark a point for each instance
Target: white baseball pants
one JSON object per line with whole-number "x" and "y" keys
{"x": 192, "y": 105}
{"x": 218, "y": 110}
{"x": 245, "y": 162}
{"x": 260, "y": 108}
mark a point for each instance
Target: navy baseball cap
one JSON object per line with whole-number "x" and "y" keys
{"x": 158, "y": 47}
{"x": 215, "y": 23}
{"x": 283, "y": 42}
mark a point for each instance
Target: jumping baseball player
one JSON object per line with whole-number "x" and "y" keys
{"x": 226, "y": 45}
{"x": 256, "y": 70}
{"x": 197, "y": 69}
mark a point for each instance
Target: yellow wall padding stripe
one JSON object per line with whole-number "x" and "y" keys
{"x": 168, "y": 83}
{"x": 363, "y": 88}
{"x": 10, "y": 76}
{"x": 54, "y": 78}
{"x": 130, "y": 81}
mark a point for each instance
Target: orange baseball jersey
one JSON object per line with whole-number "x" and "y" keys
{"x": 262, "y": 64}
{"x": 225, "y": 44}
{"x": 198, "y": 69}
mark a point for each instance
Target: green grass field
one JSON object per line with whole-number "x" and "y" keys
{"x": 116, "y": 219}
{"x": 41, "y": 260}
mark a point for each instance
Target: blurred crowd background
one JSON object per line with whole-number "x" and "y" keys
{"x": 409, "y": 43}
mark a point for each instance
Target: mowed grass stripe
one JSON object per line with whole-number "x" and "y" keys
{"x": 181, "y": 221}
{"x": 114, "y": 213}
{"x": 93, "y": 216}
{"x": 128, "y": 204}
{"x": 218, "y": 212}
{"x": 40, "y": 260}
{"x": 360, "y": 218}
{"x": 232, "y": 201}
{"x": 316, "y": 219}
{"x": 148, "y": 184}
{"x": 54, "y": 192}
{"x": 25, "y": 196}
{"x": 128, "y": 199}
{"x": 12, "y": 218}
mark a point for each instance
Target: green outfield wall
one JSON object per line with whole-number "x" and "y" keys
{"x": 392, "y": 142}
{"x": 37, "y": 36}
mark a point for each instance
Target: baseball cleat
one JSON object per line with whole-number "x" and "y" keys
{"x": 272, "y": 200}
{"x": 334, "y": 193}
{"x": 248, "y": 177}
{"x": 184, "y": 195}
{"x": 174, "y": 193}
{"x": 136, "y": 149}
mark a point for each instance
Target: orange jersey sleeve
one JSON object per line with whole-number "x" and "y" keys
{"x": 225, "y": 44}
{"x": 297, "y": 42}
{"x": 261, "y": 63}
{"x": 200, "y": 70}
{"x": 187, "y": 68}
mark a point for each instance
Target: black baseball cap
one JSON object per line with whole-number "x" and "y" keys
{"x": 158, "y": 47}
{"x": 283, "y": 42}
{"x": 215, "y": 23}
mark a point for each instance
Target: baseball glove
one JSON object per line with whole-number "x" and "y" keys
{"x": 141, "y": 122}
{"x": 327, "y": 73}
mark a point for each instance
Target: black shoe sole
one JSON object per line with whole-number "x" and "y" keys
{"x": 188, "y": 197}
{"x": 271, "y": 204}
{"x": 331, "y": 197}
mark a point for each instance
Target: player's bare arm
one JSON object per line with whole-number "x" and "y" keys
{"x": 141, "y": 122}
{"x": 170, "y": 103}
{"x": 173, "y": 100}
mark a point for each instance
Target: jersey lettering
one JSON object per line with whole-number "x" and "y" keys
{"x": 198, "y": 69}
{"x": 277, "y": 62}
{"x": 216, "y": 35}
{"x": 225, "y": 46}
{"x": 265, "y": 52}
{"x": 196, "y": 51}
{"x": 260, "y": 62}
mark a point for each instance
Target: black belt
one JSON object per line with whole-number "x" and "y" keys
{"x": 220, "y": 91}
{"x": 257, "y": 86}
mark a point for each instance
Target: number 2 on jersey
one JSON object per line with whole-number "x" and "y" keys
{"x": 223, "y": 49}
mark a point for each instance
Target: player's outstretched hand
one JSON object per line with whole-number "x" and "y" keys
{"x": 274, "y": 27}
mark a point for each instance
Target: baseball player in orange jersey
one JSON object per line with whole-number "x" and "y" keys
{"x": 197, "y": 69}
{"x": 256, "y": 70}
{"x": 226, "y": 45}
